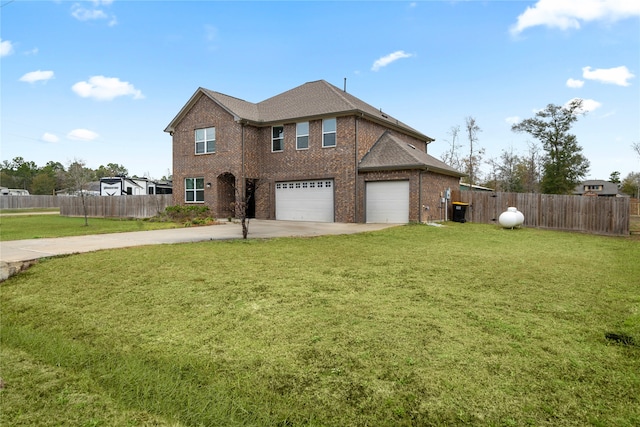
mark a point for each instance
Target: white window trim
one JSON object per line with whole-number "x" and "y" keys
{"x": 279, "y": 139}
{"x": 299, "y": 135}
{"x": 334, "y": 132}
{"x": 195, "y": 147}
{"x": 194, "y": 190}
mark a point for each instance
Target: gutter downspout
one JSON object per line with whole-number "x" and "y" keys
{"x": 242, "y": 184}
{"x": 420, "y": 197}
{"x": 355, "y": 156}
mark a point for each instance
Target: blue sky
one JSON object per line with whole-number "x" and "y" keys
{"x": 100, "y": 80}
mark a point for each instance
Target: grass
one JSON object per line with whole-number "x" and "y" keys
{"x": 467, "y": 324}
{"x": 18, "y": 227}
{"x": 634, "y": 224}
{"x": 27, "y": 211}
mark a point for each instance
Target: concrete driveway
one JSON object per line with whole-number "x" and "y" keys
{"x": 18, "y": 254}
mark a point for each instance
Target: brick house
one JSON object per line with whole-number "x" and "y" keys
{"x": 313, "y": 153}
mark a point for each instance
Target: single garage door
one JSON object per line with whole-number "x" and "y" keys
{"x": 305, "y": 200}
{"x": 387, "y": 202}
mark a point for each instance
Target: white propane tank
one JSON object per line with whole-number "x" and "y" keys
{"x": 511, "y": 218}
{"x": 520, "y": 217}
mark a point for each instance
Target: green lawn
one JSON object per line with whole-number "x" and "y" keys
{"x": 634, "y": 224}
{"x": 18, "y": 227}
{"x": 466, "y": 324}
{"x": 28, "y": 211}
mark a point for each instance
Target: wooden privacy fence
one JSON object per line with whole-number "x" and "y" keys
{"x": 116, "y": 206}
{"x": 597, "y": 215}
{"x": 29, "y": 202}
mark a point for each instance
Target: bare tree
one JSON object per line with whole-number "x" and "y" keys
{"x": 529, "y": 170}
{"x": 508, "y": 171}
{"x": 475, "y": 157}
{"x": 244, "y": 198}
{"x": 78, "y": 179}
{"x": 452, "y": 155}
{"x": 636, "y": 147}
{"x": 492, "y": 180}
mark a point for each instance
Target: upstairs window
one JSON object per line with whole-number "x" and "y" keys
{"x": 205, "y": 140}
{"x": 329, "y": 132}
{"x": 277, "y": 138}
{"x": 302, "y": 135}
{"x": 194, "y": 190}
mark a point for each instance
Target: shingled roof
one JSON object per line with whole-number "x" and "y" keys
{"x": 607, "y": 188}
{"x": 311, "y": 100}
{"x": 391, "y": 153}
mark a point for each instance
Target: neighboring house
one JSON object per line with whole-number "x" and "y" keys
{"x": 90, "y": 189}
{"x": 597, "y": 187}
{"x": 464, "y": 186}
{"x": 122, "y": 186}
{"x": 313, "y": 153}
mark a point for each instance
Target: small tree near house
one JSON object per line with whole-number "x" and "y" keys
{"x": 244, "y": 198}
{"x": 78, "y": 179}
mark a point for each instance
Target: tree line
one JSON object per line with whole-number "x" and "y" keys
{"x": 553, "y": 165}
{"x": 54, "y": 176}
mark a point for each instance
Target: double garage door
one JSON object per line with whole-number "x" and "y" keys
{"x": 305, "y": 200}
{"x": 313, "y": 200}
{"x": 387, "y": 202}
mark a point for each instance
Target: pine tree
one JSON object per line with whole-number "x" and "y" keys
{"x": 563, "y": 166}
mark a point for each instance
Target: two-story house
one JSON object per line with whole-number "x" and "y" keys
{"x": 313, "y": 153}
{"x": 597, "y": 187}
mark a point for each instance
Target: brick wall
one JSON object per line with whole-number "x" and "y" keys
{"x": 227, "y": 158}
{"x": 316, "y": 162}
{"x": 425, "y": 190}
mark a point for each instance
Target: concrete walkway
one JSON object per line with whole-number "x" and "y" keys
{"x": 16, "y": 255}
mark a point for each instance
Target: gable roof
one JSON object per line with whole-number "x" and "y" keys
{"x": 309, "y": 101}
{"x": 608, "y": 188}
{"x": 391, "y": 153}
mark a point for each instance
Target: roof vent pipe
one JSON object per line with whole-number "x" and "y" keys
{"x": 345, "y": 84}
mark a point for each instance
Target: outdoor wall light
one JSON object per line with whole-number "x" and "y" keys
{"x": 208, "y": 185}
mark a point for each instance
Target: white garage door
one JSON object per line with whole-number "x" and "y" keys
{"x": 305, "y": 200}
{"x": 387, "y": 202}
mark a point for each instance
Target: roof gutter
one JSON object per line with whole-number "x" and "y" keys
{"x": 358, "y": 113}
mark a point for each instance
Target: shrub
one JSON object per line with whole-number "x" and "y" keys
{"x": 195, "y": 215}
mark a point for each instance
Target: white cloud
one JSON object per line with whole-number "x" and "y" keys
{"x": 617, "y": 76}
{"x": 82, "y": 13}
{"x": 211, "y": 33}
{"x": 513, "y": 120}
{"x": 37, "y": 76}
{"x": 392, "y": 57}
{"x": 33, "y": 51}
{"x": 588, "y": 105}
{"x": 49, "y": 137}
{"x": 573, "y": 83}
{"x": 82, "y": 135}
{"x": 105, "y": 88}
{"x": 6, "y": 48}
{"x": 568, "y": 14}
